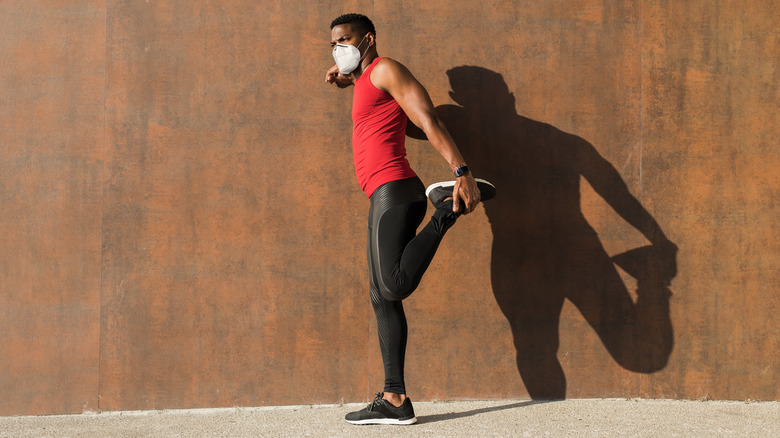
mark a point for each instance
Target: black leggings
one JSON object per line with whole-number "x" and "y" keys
{"x": 397, "y": 260}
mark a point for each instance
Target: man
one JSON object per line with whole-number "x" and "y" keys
{"x": 386, "y": 95}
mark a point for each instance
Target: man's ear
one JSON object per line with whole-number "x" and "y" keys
{"x": 371, "y": 39}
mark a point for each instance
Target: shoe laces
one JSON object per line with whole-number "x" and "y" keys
{"x": 377, "y": 401}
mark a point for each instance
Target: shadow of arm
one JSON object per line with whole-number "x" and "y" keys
{"x": 608, "y": 183}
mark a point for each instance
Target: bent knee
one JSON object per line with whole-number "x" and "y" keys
{"x": 395, "y": 295}
{"x": 397, "y": 292}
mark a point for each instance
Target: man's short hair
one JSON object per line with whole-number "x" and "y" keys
{"x": 359, "y": 23}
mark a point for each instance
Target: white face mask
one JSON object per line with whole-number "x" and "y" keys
{"x": 348, "y": 57}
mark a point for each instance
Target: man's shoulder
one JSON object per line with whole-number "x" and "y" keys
{"x": 388, "y": 65}
{"x": 388, "y": 71}
{"x": 385, "y": 60}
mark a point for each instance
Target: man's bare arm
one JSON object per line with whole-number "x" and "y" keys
{"x": 393, "y": 77}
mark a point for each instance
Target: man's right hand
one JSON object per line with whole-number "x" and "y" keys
{"x": 334, "y": 76}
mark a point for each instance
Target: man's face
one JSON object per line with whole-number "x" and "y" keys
{"x": 344, "y": 34}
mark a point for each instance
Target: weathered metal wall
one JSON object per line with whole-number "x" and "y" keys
{"x": 181, "y": 226}
{"x": 52, "y": 82}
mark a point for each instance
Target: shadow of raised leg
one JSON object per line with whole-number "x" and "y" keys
{"x": 638, "y": 334}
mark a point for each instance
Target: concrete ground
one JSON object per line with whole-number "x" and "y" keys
{"x": 506, "y": 418}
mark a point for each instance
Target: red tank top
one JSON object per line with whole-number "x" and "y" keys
{"x": 378, "y": 135}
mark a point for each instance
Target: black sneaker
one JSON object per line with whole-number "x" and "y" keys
{"x": 381, "y": 411}
{"x": 438, "y": 192}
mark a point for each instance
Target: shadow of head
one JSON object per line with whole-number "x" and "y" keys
{"x": 480, "y": 89}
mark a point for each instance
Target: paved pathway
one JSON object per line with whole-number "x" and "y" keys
{"x": 504, "y": 418}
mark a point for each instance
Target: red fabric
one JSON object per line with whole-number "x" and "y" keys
{"x": 378, "y": 135}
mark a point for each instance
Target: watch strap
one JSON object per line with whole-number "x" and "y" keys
{"x": 461, "y": 170}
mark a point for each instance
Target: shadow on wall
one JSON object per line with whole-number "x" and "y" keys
{"x": 544, "y": 251}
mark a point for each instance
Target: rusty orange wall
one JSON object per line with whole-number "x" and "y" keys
{"x": 181, "y": 226}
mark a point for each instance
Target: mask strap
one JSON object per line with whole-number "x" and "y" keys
{"x": 361, "y": 42}
{"x": 358, "y": 47}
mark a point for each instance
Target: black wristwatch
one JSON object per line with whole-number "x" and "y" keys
{"x": 461, "y": 170}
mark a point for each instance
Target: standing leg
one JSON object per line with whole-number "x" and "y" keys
{"x": 397, "y": 259}
{"x": 390, "y": 206}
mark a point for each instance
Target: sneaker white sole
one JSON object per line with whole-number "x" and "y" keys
{"x": 384, "y": 421}
{"x": 437, "y": 185}
{"x": 451, "y": 184}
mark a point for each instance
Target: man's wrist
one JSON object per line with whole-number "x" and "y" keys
{"x": 461, "y": 170}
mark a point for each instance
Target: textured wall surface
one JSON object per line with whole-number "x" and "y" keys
{"x": 181, "y": 226}
{"x": 52, "y": 95}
